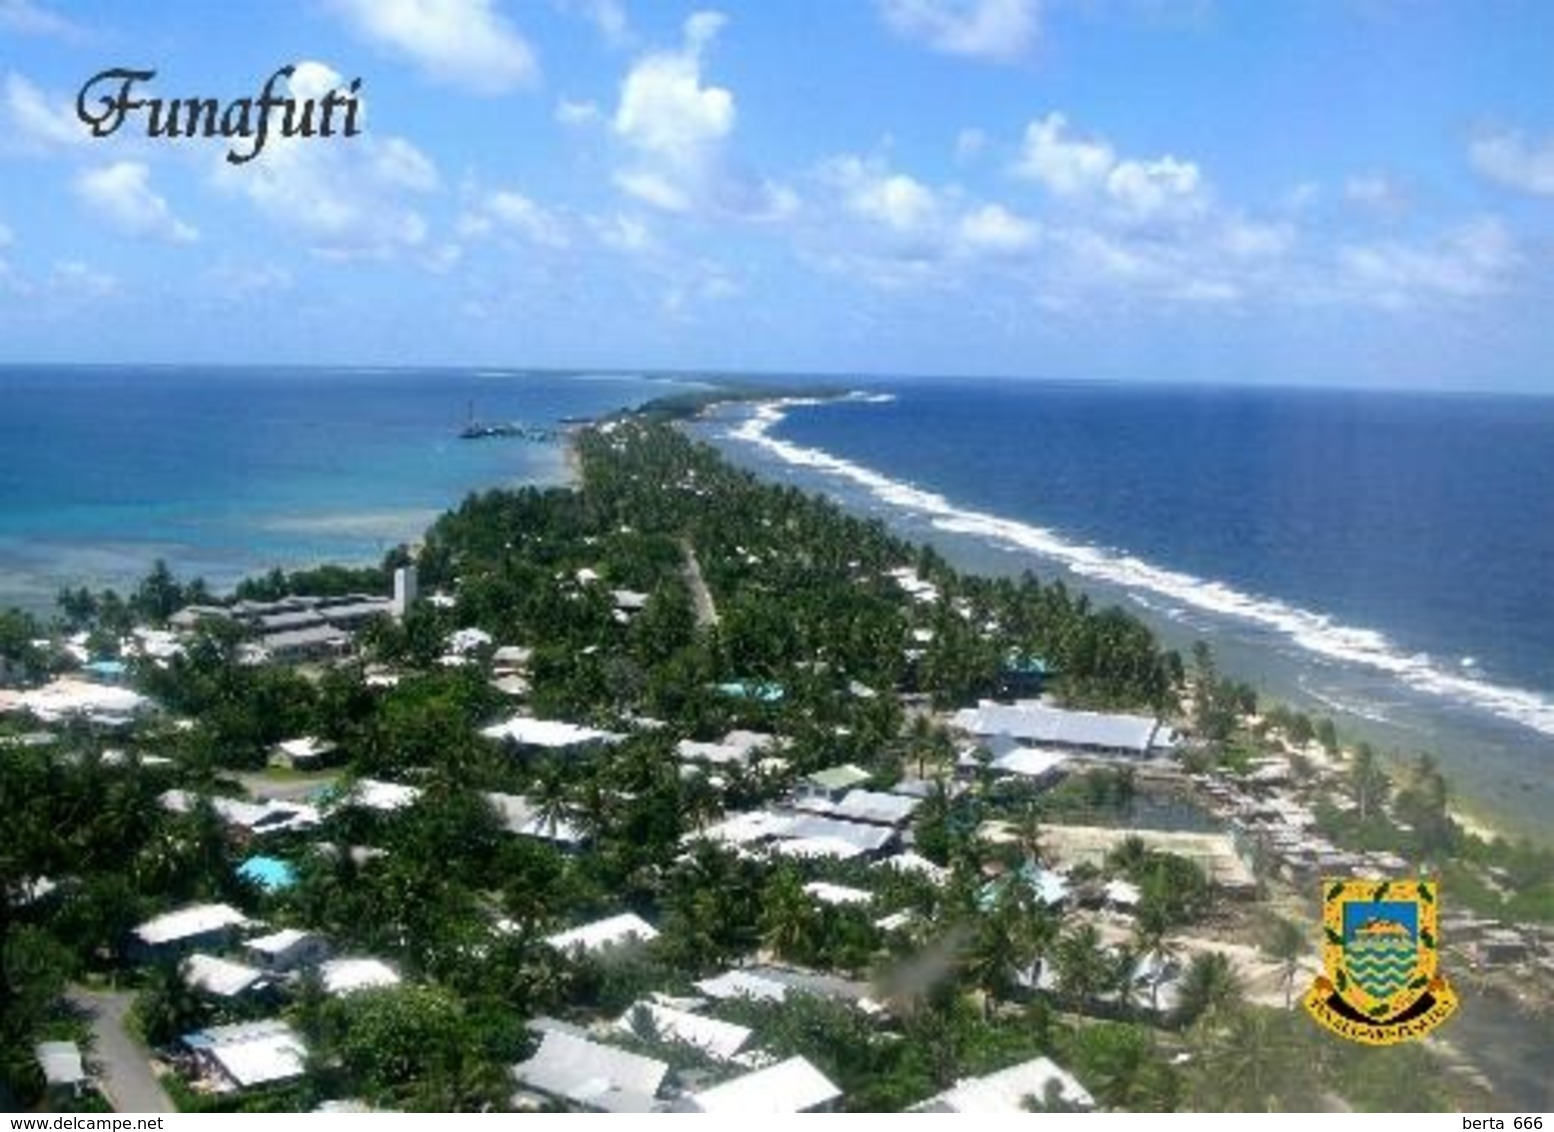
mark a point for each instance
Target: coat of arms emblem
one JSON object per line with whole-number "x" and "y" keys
{"x": 1380, "y": 982}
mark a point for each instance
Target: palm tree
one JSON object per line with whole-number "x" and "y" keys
{"x": 1287, "y": 943}
{"x": 1246, "y": 1065}
{"x": 552, "y": 799}
{"x": 1210, "y": 989}
{"x": 1367, "y": 779}
{"x": 1027, "y": 832}
{"x": 787, "y": 916}
{"x": 1122, "y": 1069}
{"x": 1128, "y": 855}
{"x": 1081, "y": 964}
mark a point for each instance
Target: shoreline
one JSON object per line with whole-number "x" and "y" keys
{"x": 1475, "y": 812}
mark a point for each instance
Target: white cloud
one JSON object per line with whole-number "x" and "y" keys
{"x": 1375, "y": 191}
{"x": 1164, "y": 188}
{"x": 462, "y": 43}
{"x": 677, "y": 126}
{"x": 506, "y": 211}
{"x": 26, "y": 17}
{"x": 995, "y": 30}
{"x": 893, "y": 200}
{"x": 607, "y": 16}
{"x": 395, "y": 162}
{"x": 665, "y": 110}
{"x": 1470, "y": 261}
{"x": 577, "y": 113}
{"x": 121, "y": 195}
{"x": 349, "y": 201}
{"x": 629, "y": 234}
{"x": 1507, "y": 158}
{"x": 1065, "y": 166}
{"x": 36, "y": 123}
{"x": 655, "y": 189}
{"x": 232, "y": 281}
{"x": 78, "y": 280}
{"x": 969, "y": 143}
{"x": 897, "y": 230}
{"x": 993, "y": 228}
{"x": 1244, "y": 239}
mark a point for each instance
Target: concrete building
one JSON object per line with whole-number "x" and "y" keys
{"x": 405, "y": 590}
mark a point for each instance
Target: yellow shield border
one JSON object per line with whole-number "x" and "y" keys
{"x": 1339, "y": 1004}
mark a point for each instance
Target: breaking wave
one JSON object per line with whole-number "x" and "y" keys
{"x": 1316, "y": 633}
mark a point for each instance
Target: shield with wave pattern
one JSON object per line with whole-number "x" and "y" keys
{"x": 1380, "y": 984}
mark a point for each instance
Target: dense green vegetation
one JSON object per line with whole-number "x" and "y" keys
{"x": 804, "y": 602}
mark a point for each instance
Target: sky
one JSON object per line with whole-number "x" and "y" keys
{"x": 1347, "y": 192}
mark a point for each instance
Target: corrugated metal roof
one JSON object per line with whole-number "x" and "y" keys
{"x": 60, "y": 1062}
{"x": 186, "y": 923}
{"x": 712, "y": 1036}
{"x": 627, "y": 927}
{"x": 591, "y": 1074}
{"x": 1007, "y": 1090}
{"x": 789, "y": 1086}
{"x": 1033, "y": 722}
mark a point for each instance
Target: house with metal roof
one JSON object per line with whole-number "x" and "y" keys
{"x": 1037, "y": 766}
{"x": 246, "y": 1054}
{"x": 833, "y": 781}
{"x": 526, "y": 732}
{"x": 519, "y": 816}
{"x": 793, "y": 1085}
{"x": 1037, "y": 724}
{"x": 384, "y": 797}
{"x": 223, "y": 978}
{"x": 872, "y": 807}
{"x": 625, "y": 930}
{"x": 737, "y": 748}
{"x": 656, "y": 1022}
{"x": 347, "y": 974}
{"x": 287, "y": 950}
{"x": 61, "y": 1065}
{"x": 739, "y": 983}
{"x": 195, "y": 927}
{"x": 307, "y": 752}
{"x": 592, "y": 1076}
{"x": 1010, "y": 1090}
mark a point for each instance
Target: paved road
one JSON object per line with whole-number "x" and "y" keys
{"x": 701, "y": 596}
{"x": 127, "y": 1077}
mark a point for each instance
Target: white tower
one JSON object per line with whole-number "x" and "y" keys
{"x": 404, "y": 590}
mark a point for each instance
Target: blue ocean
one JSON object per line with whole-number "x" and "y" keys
{"x": 1382, "y": 557}
{"x": 226, "y": 472}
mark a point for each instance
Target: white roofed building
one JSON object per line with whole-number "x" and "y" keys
{"x": 625, "y": 930}
{"x": 187, "y": 929}
{"x": 793, "y": 1085}
{"x": 548, "y": 734}
{"x": 247, "y": 1054}
{"x": 519, "y": 815}
{"x": 737, "y": 983}
{"x": 1009, "y": 1090}
{"x": 655, "y": 1022}
{"x": 590, "y": 1075}
{"x": 222, "y": 978}
{"x": 384, "y": 797}
{"x": 61, "y": 1065}
{"x": 1041, "y": 725}
{"x": 287, "y": 950}
{"x": 347, "y": 974}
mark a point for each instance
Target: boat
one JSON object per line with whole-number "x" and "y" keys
{"x": 489, "y": 430}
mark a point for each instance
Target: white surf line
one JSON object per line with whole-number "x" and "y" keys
{"x": 1315, "y": 632}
